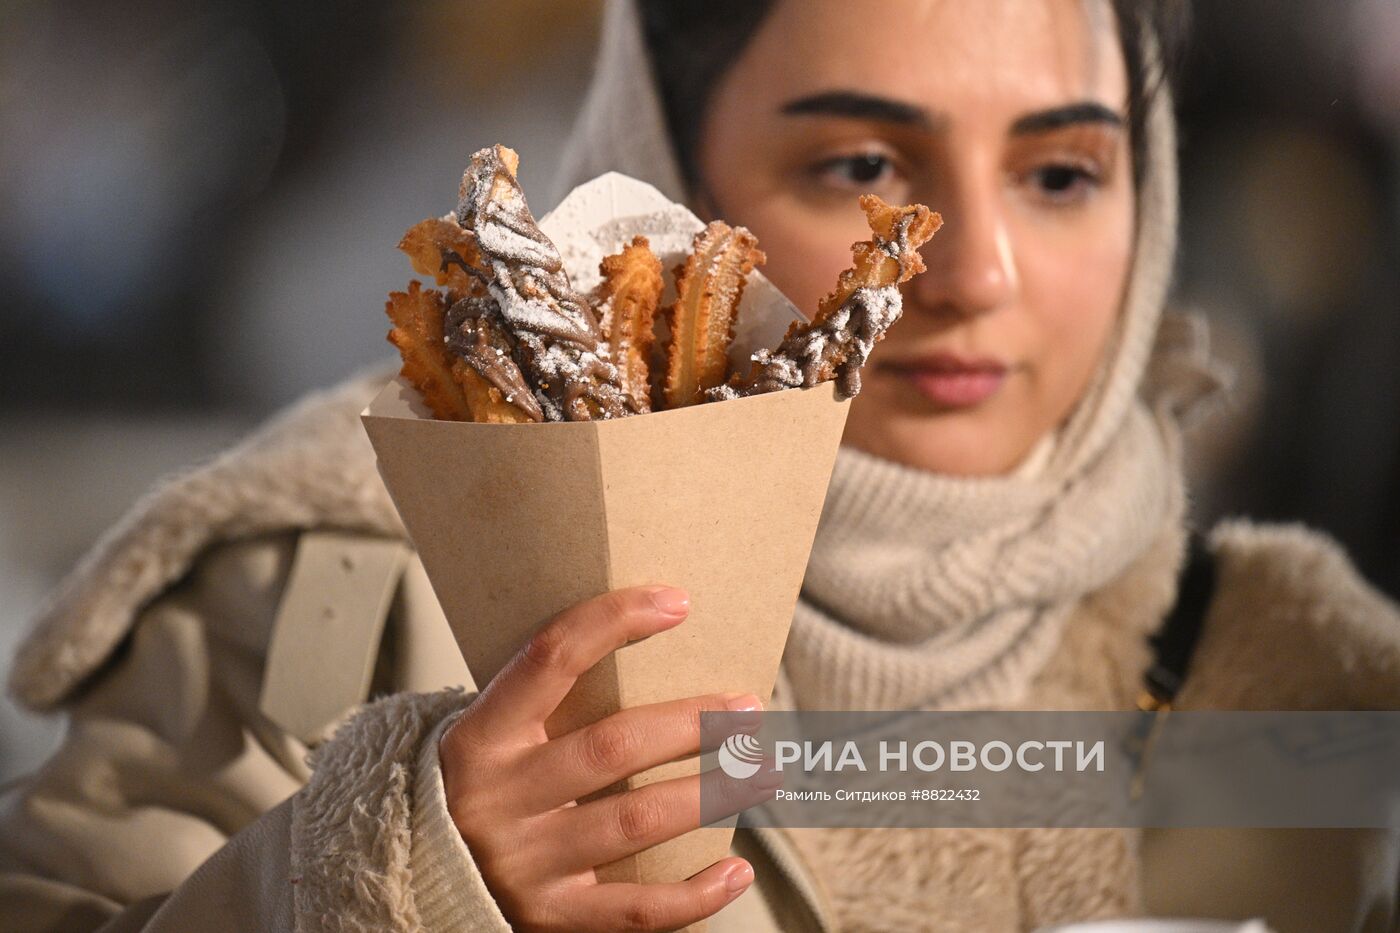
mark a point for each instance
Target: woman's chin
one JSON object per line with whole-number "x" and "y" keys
{"x": 973, "y": 441}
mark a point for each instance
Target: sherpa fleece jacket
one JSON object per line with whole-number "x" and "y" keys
{"x": 174, "y": 803}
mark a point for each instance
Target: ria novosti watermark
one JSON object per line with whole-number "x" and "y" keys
{"x": 929, "y": 755}
{"x": 1313, "y": 769}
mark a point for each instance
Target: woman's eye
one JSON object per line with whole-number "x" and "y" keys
{"x": 1064, "y": 182}
{"x": 861, "y": 170}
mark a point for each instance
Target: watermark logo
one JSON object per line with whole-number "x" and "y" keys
{"x": 740, "y": 756}
{"x": 990, "y": 768}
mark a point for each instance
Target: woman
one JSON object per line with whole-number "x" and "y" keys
{"x": 1004, "y": 529}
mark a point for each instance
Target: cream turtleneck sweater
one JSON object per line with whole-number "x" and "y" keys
{"x": 895, "y": 636}
{"x": 944, "y": 592}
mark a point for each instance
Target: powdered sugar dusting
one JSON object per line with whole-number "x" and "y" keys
{"x": 839, "y": 341}
{"x": 555, "y": 333}
{"x": 834, "y": 348}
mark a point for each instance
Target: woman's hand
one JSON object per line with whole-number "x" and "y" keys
{"x": 511, "y": 789}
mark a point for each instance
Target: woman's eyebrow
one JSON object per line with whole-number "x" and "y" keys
{"x": 1059, "y": 117}
{"x": 860, "y": 106}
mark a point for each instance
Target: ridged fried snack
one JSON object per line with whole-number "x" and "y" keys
{"x": 626, "y": 301}
{"x": 482, "y": 359}
{"x": 485, "y": 366}
{"x": 451, "y": 388}
{"x": 709, "y": 285}
{"x": 487, "y": 403}
{"x": 554, "y": 332}
{"x": 852, "y": 319}
{"x": 417, "y": 315}
{"x": 439, "y": 247}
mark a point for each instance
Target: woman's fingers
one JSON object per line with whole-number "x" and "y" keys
{"x": 506, "y": 785}
{"x": 654, "y": 907}
{"x": 623, "y": 824}
{"x": 619, "y": 746}
{"x": 528, "y": 689}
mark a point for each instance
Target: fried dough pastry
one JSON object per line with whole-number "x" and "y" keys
{"x": 439, "y": 247}
{"x": 507, "y": 339}
{"x": 488, "y": 404}
{"x": 554, "y": 332}
{"x": 485, "y": 366}
{"x": 451, "y": 386}
{"x": 854, "y": 317}
{"x": 417, "y": 315}
{"x": 626, "y": 300}
{"x": 709, "y": 285}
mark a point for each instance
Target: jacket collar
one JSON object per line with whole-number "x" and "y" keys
{"x": 311, "y": 467}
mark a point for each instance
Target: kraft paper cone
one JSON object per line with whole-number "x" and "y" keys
{"x": 517, "y": 522}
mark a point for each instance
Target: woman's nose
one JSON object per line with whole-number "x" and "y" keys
{"x": 971, "y": 262}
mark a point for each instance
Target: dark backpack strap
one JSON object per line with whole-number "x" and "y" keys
{"x": 1175, "y": 641}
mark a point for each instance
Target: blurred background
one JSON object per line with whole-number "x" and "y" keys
{"x": 199, "y": 202}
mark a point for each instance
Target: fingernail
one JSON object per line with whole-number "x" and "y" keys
{"x": 670, "y": 601}
{"x": 738, "y": 878}
{"x": 742, "y": 703}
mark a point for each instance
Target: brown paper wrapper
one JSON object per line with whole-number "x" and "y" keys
{"x": 517, "y": 522}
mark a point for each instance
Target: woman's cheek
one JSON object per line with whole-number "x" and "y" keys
{"x": 1081, "y": 302}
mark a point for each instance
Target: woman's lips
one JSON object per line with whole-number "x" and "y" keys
{"x": 950, "y": 381}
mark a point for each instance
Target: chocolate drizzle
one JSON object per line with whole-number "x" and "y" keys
{"x": 837, "y": 342}
{"x": 476, "y": 333}
{"x": 556, "y": 336}
{"x": 832, "y": 348}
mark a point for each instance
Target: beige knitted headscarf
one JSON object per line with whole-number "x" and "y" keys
{"x": 930, "y": 590}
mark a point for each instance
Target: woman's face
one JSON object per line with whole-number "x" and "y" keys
{"x": 1008, "y": 117}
